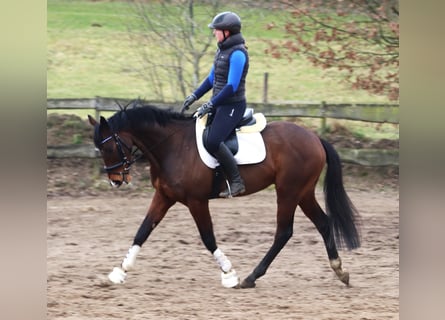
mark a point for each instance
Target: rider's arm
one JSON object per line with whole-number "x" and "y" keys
{"x": 236, "y": 68}
{"x": 206, "y": 85}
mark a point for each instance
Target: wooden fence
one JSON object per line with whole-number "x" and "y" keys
{"x": 377, "y": 113}
{"x": 362, "y": 112}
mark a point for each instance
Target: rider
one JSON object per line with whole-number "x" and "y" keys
{"x": 227, "y": 78}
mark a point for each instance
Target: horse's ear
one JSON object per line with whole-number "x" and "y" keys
{"x": 104, "y": 124}
{"x": 92, "y": 121}
{"x": 103, "y": 121}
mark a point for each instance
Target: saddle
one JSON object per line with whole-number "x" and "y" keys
{"x": 250, "y": 122}
{"x": 246, "y": 143}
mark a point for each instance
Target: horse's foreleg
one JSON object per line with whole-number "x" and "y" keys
{"x": 156, "y": 213}
{"x": 314, "y": 212}
{"x": 229, "y": 277}
{"x": 201, "y": 215}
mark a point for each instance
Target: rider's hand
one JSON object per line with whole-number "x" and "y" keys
{"x": 204, "y": 109}
{"x": 188, "y": 102}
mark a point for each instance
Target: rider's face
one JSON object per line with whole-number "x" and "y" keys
{"x": 219, "y": 34}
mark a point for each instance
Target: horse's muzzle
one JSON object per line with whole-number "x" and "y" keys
{"x": 117, "y": 179}
{"x": 115, "y": 183}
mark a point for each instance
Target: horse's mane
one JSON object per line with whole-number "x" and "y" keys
{"x": 137, "y": 115}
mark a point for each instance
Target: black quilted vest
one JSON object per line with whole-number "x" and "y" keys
{"x": 221, "y": 66}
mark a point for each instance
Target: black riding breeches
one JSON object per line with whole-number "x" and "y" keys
{"x": 224, "y": 122}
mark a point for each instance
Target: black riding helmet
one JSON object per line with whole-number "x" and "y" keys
{"x": 226, "y": 21}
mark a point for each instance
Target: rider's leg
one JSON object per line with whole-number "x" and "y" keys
{"x": 230, "y": 169}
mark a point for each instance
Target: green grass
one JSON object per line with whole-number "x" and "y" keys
{"x": 91, "y": 54}
{"x": 78, "y": 15}
{"x": 86, "y": 61}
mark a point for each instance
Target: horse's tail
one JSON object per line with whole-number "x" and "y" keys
{"x": 342, "y": 213}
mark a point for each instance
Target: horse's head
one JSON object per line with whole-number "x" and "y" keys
{"x": 115, "y": 149}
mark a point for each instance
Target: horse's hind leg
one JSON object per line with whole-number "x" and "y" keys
{"x": 315, "y": 213}
{"x": 285, "y": 220}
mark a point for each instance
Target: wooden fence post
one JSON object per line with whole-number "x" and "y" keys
{"x": 323, "y": 119}
{"x": 96, "y": 108}
{"x": 97, "y": 166}
{"x": 265, "y": 86}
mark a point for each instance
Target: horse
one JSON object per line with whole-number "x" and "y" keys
{"x": 295, "y": 159}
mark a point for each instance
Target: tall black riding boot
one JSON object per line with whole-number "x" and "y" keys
{"x": 230, "y": 168}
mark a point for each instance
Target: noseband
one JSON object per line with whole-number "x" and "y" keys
{"x": 125, "y": 163}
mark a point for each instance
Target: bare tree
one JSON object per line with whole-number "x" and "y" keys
{"x": 171, "y": 38}
{"x": 358, "y": 37}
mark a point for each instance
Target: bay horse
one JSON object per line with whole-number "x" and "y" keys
{"x": 295, "y": 158}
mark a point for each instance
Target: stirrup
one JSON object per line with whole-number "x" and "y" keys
{"x": 228, "y": 193}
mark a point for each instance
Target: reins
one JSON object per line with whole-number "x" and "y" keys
{"x": 163, "y": 140}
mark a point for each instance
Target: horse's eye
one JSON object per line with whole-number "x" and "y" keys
{"x": 107, "y": 150}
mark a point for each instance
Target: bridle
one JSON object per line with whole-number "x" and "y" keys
{"x": 125, "y": 162}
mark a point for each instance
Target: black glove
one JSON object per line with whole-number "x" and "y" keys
{"x": 188, "y": 102}
{"x": 204, "y": 109}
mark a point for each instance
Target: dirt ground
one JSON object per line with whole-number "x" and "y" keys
{"x": 90, "y": 228}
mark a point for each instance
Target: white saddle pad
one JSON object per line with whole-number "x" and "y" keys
{"x": 251, "y": 148}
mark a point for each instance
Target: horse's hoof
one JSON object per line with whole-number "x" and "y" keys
{"x": 230, "y": 279}
{"x": 117, "y": 276}
{"x": 246, "y": 284}
{"x": 344, "y": 277}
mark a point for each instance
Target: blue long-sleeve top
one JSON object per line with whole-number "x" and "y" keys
{"x": 236, "y": 67}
